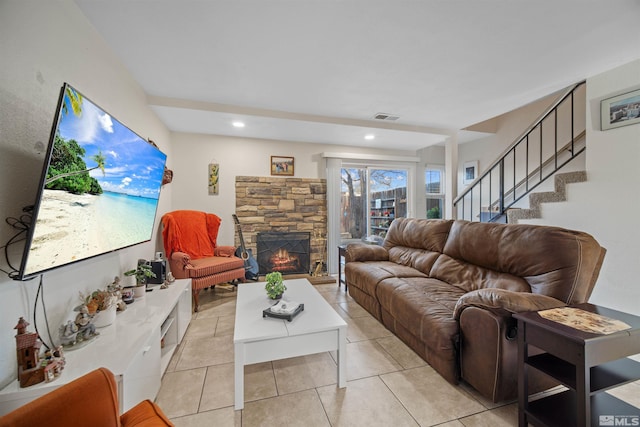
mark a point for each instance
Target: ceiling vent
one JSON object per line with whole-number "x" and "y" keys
{"x": 385, "y": 116}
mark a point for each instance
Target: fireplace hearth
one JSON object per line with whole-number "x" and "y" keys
{"x": 286, "y": 252}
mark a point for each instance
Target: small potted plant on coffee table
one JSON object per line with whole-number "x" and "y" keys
{"x": 275, "y": 287}
{"x": 142, "y": 272}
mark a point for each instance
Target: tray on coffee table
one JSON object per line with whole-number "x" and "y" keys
{"x": 286, "y": 316}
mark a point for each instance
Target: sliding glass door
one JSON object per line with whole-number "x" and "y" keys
{"x": 370, "y": 199}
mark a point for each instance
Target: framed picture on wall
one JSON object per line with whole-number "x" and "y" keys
{"x": 281, "y": 165}
{"x": 621, "y": 110}
{"x": 469, "y": 172}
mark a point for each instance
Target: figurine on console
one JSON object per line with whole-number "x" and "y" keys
{"x": 86, "y": 329}
{"x": 116, "y": 289}
{"x": 68, "y": 333}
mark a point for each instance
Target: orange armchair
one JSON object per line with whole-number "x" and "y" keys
{"x": 190, "y": 242}
{"x": 90, "y": 400}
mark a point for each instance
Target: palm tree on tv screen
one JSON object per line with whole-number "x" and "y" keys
{"x": 67, "y": 169}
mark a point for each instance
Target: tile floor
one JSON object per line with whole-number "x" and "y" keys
{"x": 388, "y": 384}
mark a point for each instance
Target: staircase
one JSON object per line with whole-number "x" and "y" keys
{"x": 536, "y": 199}
{"x": 553, "y": 141}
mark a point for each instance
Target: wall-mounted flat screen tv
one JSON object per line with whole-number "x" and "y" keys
{"x": 99, "y": 188}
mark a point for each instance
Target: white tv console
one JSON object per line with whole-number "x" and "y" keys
{"x": 130, "y": 348}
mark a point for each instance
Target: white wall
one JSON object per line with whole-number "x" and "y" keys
{"x": 607, "y": 205}
{"x": 240, "y": 157}
{"x": 42, "y": 45}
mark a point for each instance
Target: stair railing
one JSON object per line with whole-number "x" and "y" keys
{"x": 553, "y": 140}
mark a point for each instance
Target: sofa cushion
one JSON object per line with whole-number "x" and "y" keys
{"x": 552, "y": 260}
{"x": 424, "y": 307}
{"x": 429, "y": 234}
{"x": 469, "y": 277}
{"x": 212, "y": 265}
{"x": 419, "y": 259}
{"x": 366, "y": 275}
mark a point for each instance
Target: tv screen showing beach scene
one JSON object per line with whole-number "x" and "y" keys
{"x": 99, "y": 188}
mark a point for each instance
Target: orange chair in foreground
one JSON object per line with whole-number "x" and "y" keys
{"x": 91, "y": 401}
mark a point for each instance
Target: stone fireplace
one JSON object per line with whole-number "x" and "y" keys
{"x": 288, "y": 252}
{"x": 283, "y": 205}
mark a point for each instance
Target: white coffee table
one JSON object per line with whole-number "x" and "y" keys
{"x": 256, "y": 339}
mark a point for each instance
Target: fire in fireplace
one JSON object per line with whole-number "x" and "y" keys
{"x": 286, "y": 252}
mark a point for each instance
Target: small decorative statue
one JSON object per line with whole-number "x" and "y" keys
{"x": 68, "y": 333}
{"x": 86, "y": 329}
{"x": 116, "y": 289}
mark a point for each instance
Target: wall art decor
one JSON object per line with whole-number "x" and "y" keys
{"x": 469, "y": 172}
{"x": 281, "y": 165}
{"x": 214, "y": 178}
{"x": 620, "y": 110}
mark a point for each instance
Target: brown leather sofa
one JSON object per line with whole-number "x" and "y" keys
{"x": 91, "y": 400}
{"x": 447, "y": 288}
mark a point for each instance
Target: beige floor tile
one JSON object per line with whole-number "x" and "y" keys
{"x": 225, "y": 417}
{"x": 305, "y": 372}
{"x": 365, "y": 328}
{"x": 353, "y": 309}
{"x": 365, "y": 402}
{"x": 220, "y": 306}
{"x": 335, "y": 296}
{"x": 504, "y": 416}
{"x": 486, "y": 402}
{"x": 429, "y": 398}
{"x": 225, "y": 325}
{"x": 173, "y": 363}
{"x": 338, "y": 308}
{"x": 401, "y": 352}
{"x": 259, "y": 382}
{"x": 630, "y": 393}
{"x": 368, "y": 358}
{"x": 328, "y": 286}
{"x": 180, "y": 392}
{"x": 206, "y": 352}
{"x": 201, "y": 328}
{"x": 296, "y": 409}
{"x": 218, "y": 388}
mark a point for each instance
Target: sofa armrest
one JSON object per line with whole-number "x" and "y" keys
{"x": 225, "y": 251}
{"x": 181, "y": 258}
{"x": 364, "y": 252}
{"x": 504, "y": 302}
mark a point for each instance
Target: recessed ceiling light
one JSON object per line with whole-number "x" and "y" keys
{"x": 369, "y": 137}
{"x": 238, "y": 124}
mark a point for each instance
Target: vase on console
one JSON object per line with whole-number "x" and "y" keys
{"x": 105, "y": 317}
{"x": 142, "y": 272}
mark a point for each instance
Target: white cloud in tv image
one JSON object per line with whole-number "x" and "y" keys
{"x": 100, "y": 188}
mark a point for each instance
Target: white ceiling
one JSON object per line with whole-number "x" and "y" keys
{"x": 318, "y": 70}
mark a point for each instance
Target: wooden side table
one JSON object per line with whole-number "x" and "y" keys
{"x": 342, "y": 250}
{"x": 586, "y": 363}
